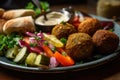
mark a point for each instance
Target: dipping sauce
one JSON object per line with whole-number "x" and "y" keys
{"x": 53, "y": 18}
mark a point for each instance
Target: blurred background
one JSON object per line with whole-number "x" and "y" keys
{"x": 21, "y": 3}
{"x": 105, "y": 8}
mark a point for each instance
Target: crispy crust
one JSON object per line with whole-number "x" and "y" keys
{"x": 105, "y": 41}
{"x": 79, "y": 46}
{"x": 63, "y": 30}
{"x": 89, "y": 26}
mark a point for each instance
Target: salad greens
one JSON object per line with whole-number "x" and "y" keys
{"x": 45, "y": 6}
{"x": 8, "y": 41}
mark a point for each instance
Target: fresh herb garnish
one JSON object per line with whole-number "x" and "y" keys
{"x": 54, "y": 49}
{"x": 64, "y": 23}
{"x": 33, "y": 44}
{"x": 45, "y": 43}
{"x": 63, "y": 40}
{"x": 45, "y": 6}
{"x": 8, "y": 41}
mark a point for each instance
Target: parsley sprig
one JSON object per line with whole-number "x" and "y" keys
{"x": 45, "y": 6}
{"x": 8, "y": 41}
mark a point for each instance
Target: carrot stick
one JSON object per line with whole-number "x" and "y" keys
{"x": 60, "y": 50}
{"x": 64, "y": 60}
{"x": 47, "y": 51}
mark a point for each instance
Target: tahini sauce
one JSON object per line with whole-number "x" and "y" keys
{"x": 53, "y": 18}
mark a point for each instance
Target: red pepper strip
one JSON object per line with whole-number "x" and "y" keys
{"x": 65, "y": 60}
{"x": 26, "y": 39}
{"x": 35, "y": 49}
{"x": 76, "y": 24}
{"x": 76, "y": 21}
{"x": 47, "y": 51}
{"x": 31, "y": 49}
{"x": 23, "y": 43}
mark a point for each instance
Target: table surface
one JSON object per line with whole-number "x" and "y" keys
{"x": 109, "y": 71}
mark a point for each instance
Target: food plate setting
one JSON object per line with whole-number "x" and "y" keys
{"x": 68, "y": 40}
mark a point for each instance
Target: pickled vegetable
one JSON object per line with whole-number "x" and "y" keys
{"x": 42, "y": 60}
{"x": 53, "y": 40}
{"x": 12, "y": 52}
{"x": 21, "y": 55}
{"x": 31, "y": 59}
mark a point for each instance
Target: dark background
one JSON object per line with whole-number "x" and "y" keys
{"x": 10, "y": 4}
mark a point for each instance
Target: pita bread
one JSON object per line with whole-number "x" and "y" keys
{"x": 10, "y": 14}
{"x": 21, "y": 25}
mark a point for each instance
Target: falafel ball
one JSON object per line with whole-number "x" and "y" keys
{"x": 105, "y": 41}
{"x": 79, "y": 46}
{"x": 89, "y": 26}
{"x": 63, "y": 30}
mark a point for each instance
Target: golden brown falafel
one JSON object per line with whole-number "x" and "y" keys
{"x": 89, "y": 26}
{"x": 79, "y": 46}
{"x": 105, "y": 41}
{"x": 63, "y": 30}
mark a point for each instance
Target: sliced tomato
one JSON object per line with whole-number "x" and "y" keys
{"x": 76, "y": 19}
{"x": 26, "y": 39}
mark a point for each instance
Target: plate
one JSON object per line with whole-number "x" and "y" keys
{"x": 77, "y": 67}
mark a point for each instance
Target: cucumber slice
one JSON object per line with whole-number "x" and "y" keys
{"x": 31, "y": 59}
{"x": 16, "y": 50}
{"x": 42, "y": 60}
{"x": 11, "y": 53}
{"x": 21, "y": 55}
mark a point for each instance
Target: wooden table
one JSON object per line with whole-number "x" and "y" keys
{"x": 109, "y": 71}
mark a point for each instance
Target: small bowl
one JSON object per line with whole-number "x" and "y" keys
{"x": 47, "y": 26}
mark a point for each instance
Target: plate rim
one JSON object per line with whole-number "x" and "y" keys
{"x": 76, "y": 67}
